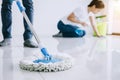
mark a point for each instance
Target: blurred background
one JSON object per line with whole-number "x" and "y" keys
{"x": 47, "y": 13}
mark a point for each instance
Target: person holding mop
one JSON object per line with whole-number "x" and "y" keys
{"x": 6, "y": 15}
{"x": 73, "y": 25}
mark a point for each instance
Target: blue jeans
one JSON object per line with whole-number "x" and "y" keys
{"x": 6, "y": 15}
{"x": 70, "y": 30}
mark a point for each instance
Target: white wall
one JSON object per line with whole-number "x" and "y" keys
{"x": 110, "y": 16}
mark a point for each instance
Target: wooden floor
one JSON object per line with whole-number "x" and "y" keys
{"x": 118, "y": 34}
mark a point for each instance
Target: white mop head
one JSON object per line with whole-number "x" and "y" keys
{"x": 65, "y": 64}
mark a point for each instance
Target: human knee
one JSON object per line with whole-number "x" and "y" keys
{"x": 80, "y": 33}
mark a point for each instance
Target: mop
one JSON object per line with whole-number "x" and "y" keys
{"x": 50, "y": 63}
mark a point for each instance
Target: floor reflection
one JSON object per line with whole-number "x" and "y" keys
{"x": 96, "y": 61}
{"x": 67, "y": 44}
{"x": 7, "y": 70}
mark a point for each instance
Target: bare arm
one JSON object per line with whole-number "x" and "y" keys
{"x": 72, "y": 18}
{"x": 94, "y": 26}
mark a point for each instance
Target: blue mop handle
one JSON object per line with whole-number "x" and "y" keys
{"x": 45, "y": 53}
{"x": 43, "y": 50}
{"x": 20, "y": 6}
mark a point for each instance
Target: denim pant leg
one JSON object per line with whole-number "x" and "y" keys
{"x": 70, "y": 30}
{"x": 80, "y": 33}
{"x": 6, "y": 17}
{"x": 65, "y": 28}
{"x": 28, "y": 4}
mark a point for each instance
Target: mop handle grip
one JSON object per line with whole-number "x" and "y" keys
{"x": 44, "y": 51}
{"x": 20, "y": 6}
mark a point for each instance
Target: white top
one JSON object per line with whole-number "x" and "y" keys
{"x": 81, "y": 13}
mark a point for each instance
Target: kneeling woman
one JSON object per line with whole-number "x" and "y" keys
{"x": 71, "y": 25}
